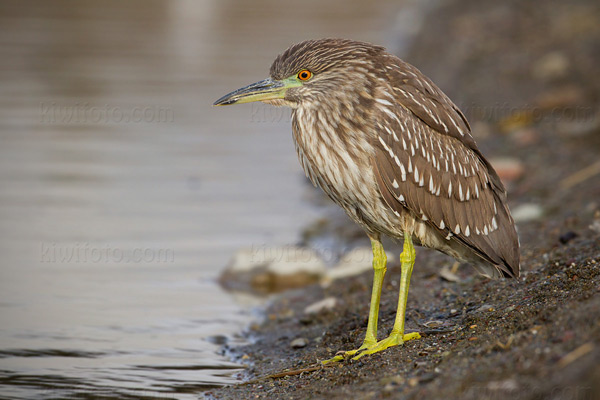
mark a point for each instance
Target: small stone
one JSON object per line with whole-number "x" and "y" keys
{"x": 326, "y": 304}
{"x": 525, "y": 136}
{"x": 553, "y": 65}
{"x": 567, "y": 237}
{"x": 485, "y": 308}
{"x": 527, "y": 212}
{"x": 434, "y": 324}
{"x": 595, "y": 225}
{"x": 218, "y": 339}
{"x": 299, "y": 343}
{"x": 509, "y": 309}
{"x": 508, "y": 169}
{"x": 389, "y": 387}
{"x": 447, "y": 274}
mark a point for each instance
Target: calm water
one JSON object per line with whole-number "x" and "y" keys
{"x": 123, "y": 193}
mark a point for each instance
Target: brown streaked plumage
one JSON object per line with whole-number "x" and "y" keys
{"x": 390, "y": 148}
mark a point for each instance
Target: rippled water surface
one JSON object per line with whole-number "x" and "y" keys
{"x": 123, "y": 192}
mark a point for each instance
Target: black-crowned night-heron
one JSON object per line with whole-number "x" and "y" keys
{"x": 390, "y": 148}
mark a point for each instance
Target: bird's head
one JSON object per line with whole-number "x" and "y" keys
{"x": 316, "y": 73}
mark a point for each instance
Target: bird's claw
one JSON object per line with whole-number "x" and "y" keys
{"x": 373, "y": 347}
{"x": 390, "y": 341}
{"x": 344, "y": 355}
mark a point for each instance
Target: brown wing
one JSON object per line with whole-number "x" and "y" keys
{"x": 417, "y": 93}
{"x": 446, "y": 182}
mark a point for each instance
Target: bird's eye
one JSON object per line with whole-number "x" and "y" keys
{"x": 304, "y": 75}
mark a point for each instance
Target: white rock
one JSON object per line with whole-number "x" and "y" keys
{"x": 299, "y": 343}
{"x": 327, "y": 303}
{"x": 355, "y": 262}
{"x": 245, "y": 260}
{"x": 290, "y": 260}
{"x": 447, "y": 274}
{"x": 265, "y": 269}
{"x": 281, "y": 260}
{"x": 527, "y": 212}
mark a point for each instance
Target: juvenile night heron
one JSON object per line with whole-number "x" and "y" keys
{"x": 390, "y": 148}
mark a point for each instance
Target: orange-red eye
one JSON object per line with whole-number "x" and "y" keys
{"x": 304, "y": 75}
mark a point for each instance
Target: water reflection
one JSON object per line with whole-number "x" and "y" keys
{"x": 122, "y": 192}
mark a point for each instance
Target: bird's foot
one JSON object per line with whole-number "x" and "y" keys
{"x": 395, "y": 339}
{"x": 344, "y": 355}
{"x": 371, "y": 347}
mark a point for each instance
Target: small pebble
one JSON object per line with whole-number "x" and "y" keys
{"x": 595, "y": 225}
{"x": 508, "y": 169}
{"x": 567, "y": 237}
{"x": 299, "y": 343}
{"x": 434, "y": 324}
{"x": 328, "y": 303}
{"x": 447, "y": 274}
{"x": 413, "y": 381}
{"x": 525, "y": 136}
{"x": 527, "y": 212}
{"x": 485, "y": 308}
{"x": 551, "y": 66}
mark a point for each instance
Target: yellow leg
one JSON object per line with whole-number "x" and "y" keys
{"x": 397, "y": 336}
{"x": 379, "y": 268}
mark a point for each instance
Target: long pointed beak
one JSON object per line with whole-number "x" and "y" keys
{"x": 267, "y": 89}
